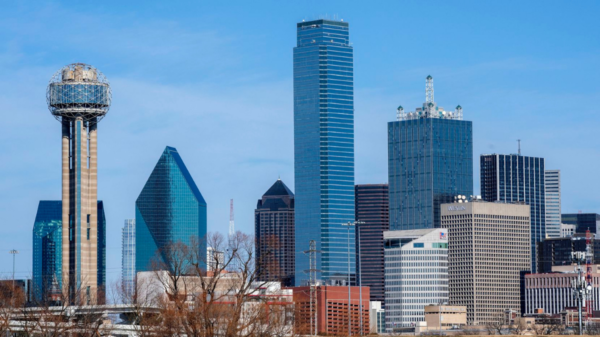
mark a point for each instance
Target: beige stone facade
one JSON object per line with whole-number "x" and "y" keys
{"x": 488, "y": 247}
{"x": 80, "y": 209}
{"x": 448, "y": 315}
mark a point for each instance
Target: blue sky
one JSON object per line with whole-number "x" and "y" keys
{"x": 214, "y": 80}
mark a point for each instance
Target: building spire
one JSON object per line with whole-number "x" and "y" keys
{"x": 429, "y": 89}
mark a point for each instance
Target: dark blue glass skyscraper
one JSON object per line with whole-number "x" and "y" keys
{"x": 430, "y": 161}
{"x": 514, "y": 178}
{"x": 170, "y": 209}
{"x": 324, "y": 147}
{"x": 48, "y": 250}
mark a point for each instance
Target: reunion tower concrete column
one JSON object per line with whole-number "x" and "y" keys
{"x": 79, "y": 96}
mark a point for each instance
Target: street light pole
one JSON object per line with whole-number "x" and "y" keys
{"x": 359, "y": 276}
{"x": 14, "y": 253}
{"x": 349, "y": 224}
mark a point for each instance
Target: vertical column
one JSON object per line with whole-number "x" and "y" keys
{"x": 93, "y": 210}
{"x": 66, "y": 195}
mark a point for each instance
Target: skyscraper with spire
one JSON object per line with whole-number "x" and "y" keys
{"x": 324, "y": 147}
{"x": 430, "y": 161}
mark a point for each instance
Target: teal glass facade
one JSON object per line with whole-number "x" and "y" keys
{"x": 47, "y": 248}
{"x": 430, "y": 161}
{"x": 324, "y": 147}
{"x": 169, "y": 209}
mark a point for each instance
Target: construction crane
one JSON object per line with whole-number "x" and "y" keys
{"x": 588, "y": 270}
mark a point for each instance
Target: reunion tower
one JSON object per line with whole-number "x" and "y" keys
{"x": 79, "y": 96}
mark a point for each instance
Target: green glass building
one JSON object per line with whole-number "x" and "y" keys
{"x": 169, "y": 209}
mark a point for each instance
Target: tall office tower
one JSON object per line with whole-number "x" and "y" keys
{"x": 430, "y": 161}
{"x": 372, "y": 209}
{"x": 324, "y": 147}
{"x": 489, "y": 247}
{"x": 79, "y": 96}
{"x": 48, "y": 251}
{"x": 416, "y": 274}
{"x": 513, "y": 178}
{"x": 169, "y": 210}
{"x": 553, "y": 214}
{"x": 128, "y": 257}
{"x": 274, "y": 230}
{"x": 582, "y": 221}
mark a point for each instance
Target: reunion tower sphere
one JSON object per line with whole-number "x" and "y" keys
{"x": 78, "y": 91}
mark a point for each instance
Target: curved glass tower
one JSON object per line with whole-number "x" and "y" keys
{"x": 324, "y": 147}
{"x": 169, "y": 209}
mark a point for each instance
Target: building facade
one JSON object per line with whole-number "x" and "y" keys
{"x": 274, "y": 232}
{"x": 552, "y": 292}
{"x": 416, "y": 274}
{"x": 128, "y": 257}
{"x": 376, "y": 317}
{"x": 516, "y": 178}
{"x": 332, "y": 310}
{"x": 553, "y": 204}
{"x": 324, "y": 146}
{"x": 170, "y": 209}
{"x": 48, "y": 251}
{"x": 430, "y": 161}
{"x": 372, "y": 210}
{"x": 557, "y": 251}
{"x": 567, "y": 230}
{"x": 582, "y": 221}
{"x": 444, "y": 317}
{"x": 489, "y": 248}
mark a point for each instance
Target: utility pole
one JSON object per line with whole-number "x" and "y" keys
{"x": 14, "y": 253}
{"x": 312, "y": 272}
{"x": 581, "y": 289}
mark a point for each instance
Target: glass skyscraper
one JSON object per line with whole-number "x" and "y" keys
{"x": 48, "y": 249}
{"x": 324, "y": 147}
{"x": 170, "y": 209}
{"x": 516, "y": 178}
{"x": 128, "y": 257}
{"x": 430, "y": 161}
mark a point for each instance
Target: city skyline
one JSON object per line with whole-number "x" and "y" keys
{"x": 123, "y": 171}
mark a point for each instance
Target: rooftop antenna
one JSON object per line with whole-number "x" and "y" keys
{"x": 429, "y": 89}
{"x": 519, "y": 141}
{"x": 231, "y": 225}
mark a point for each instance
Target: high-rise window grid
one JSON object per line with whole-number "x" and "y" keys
{"x": 128, "y": 257}
{"x": 324, "y": 146}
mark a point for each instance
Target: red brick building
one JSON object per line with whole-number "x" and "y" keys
{"x": 332, "y": 310}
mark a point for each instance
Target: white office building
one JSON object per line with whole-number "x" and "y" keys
{"x": 416, "y": 274}
{"x": 553, "y": 212}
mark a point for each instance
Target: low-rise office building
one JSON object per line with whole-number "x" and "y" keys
{"x": 444, "y": 317}
{"x": 331, "y": 310}
{"x": 552, "y": 292}
{"x": 376, "y": 317}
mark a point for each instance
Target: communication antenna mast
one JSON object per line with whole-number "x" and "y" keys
{"x": 519, "y": 141}
{"x": 312, "y": 272}
{"x": 429, "y": 89}
{"x": 231, "y": 224}
{"x": 588, "y": 268}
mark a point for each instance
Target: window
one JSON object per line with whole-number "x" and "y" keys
{"x": 418, "y": 245}
{"x": 88, "y": 234}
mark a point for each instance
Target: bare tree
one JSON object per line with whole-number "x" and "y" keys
{"x": 228, "y": 298}
{"x": 495, "y": 326}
